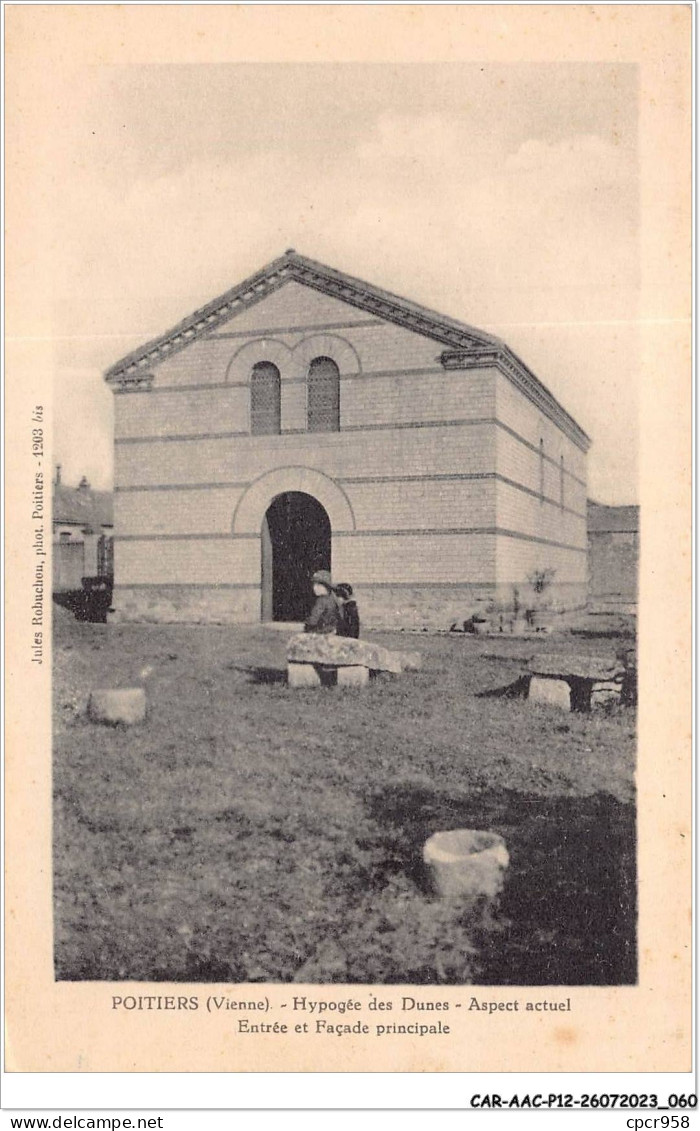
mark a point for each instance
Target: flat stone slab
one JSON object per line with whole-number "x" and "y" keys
{"x": 566, "y": 665}
{"x": 125, "y": 705}
{"x": 342, "y": 651}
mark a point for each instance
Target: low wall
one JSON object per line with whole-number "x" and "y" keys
{"x": 409, "y": 607}
{"x": 439, "y": 608}
{"x": 186, "y": 604}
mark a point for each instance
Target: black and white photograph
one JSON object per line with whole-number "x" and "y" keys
{"x": 342, "y": 492}
{"x": 345, "y": 586}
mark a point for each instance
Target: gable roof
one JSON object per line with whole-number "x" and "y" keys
{"x": 291, "y": 265}
{"x": 81, "y": 506}
{"x": 467, "y": 346}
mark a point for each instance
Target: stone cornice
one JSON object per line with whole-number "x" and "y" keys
{"x": 524, "y": 379}
{"x": 471, "y": 348}
{"x": 288, "y": 267}
{"x": 389, "y": 307}
{"x": 130, "y": 382}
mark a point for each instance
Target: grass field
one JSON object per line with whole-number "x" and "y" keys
{"x": 249, "y": 832}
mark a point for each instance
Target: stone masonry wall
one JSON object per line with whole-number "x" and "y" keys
{"x": 613, "y": 565}
{"x": 541, "y": 498}
{"x": 441, "y": 471}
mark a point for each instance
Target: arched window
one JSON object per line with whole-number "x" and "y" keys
{"x": 265, "y": 399}
{"x": 323, "y": 396}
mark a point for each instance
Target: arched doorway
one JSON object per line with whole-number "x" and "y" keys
{"x": 296, "y": 541}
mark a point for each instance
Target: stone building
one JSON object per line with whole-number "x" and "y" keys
{"x": 82, "y": 533}
{"x": 613, "y": 554}
{"x": 306, "y": 419}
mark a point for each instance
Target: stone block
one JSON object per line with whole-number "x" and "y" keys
{"x": 550, "y": 692}
{"x": 628, "y": 690}
{"x": 353, "y": 676}
{"x": 125, "y": 705}
{"x": 303, "y": 675}
{"x": 605, "y": 692}
{"x": 466, "y": 863}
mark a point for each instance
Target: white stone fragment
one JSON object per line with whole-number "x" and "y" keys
{"x": 118, "y": 705}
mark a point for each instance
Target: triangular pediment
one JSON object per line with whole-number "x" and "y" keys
{"x": 342, "y": 293}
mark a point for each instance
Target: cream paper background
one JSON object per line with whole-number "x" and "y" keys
{"x": 69, "y": 1027}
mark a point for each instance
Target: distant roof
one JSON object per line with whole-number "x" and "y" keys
{"x": 463, "y": 341}
{"x": 82, "y": 506}
{"x": 604, "y": 519}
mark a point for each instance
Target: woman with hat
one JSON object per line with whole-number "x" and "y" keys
{"x": 325, "y": 615}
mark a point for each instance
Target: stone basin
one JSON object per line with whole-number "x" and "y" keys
{"x": 467, "y": 863}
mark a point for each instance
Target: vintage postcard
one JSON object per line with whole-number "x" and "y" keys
{"x": 348, "y": 538}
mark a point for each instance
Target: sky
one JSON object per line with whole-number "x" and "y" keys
{"x": 503, "y": 195}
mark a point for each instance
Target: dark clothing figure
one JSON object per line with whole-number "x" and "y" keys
{"x": 351, "y": 620}
{"x": 349, "y": 614}
{"x": 325, "y": 615}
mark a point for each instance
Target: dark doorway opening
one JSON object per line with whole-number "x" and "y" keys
{"x": 296, "y": 541}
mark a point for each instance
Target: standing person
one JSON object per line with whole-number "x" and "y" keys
{"x": 325, "y": 615}
{"x": 349, "y": 614}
